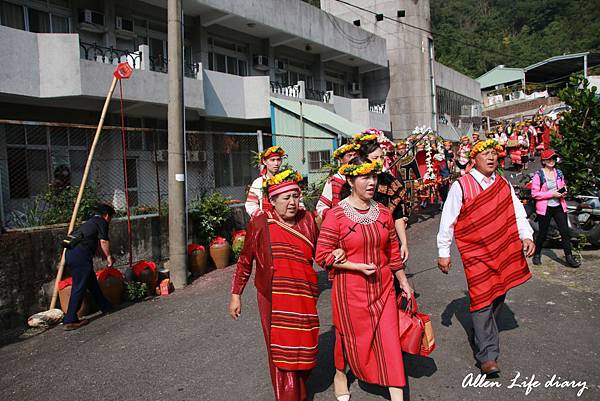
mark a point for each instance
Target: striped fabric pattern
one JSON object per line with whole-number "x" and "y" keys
{"x": 365, "y": 315}
{"x": 294, "y": 319}
{"x": 336, "y": 181}
{"x": 488, "y": 240}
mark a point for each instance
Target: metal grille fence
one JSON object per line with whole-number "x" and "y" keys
{"x": 41, "y": 166}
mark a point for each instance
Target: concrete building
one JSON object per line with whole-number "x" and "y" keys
{"x": 247, "y": 66}
{"x": 418, "y": 90}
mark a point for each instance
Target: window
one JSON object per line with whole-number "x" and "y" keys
{"x": 318, "y": 159}
{"x": 336, "y": 82}
{"x": 40, "y": 19}
{"x": 233, "y": 164}
{"x": 39, "y": 155}
{"x": 12, "y": 15}
{"x": 228, "y": 57}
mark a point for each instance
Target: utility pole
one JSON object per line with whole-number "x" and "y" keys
{"x": 176, "y": 132}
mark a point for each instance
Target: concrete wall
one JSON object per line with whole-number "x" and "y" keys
{"x": 29, "y": 259}
{"x": 357, "y": 111}
{"x": 236, "y": 97}
{"x": 450, "y": 79}
{"x": 410, "y": 91}
{"x": 297, "y": 18}
{"x": 49, "y": 66}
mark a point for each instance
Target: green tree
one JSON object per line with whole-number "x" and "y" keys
{"x": 579, "y": 139}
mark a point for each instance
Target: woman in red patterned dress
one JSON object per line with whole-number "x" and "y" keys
{"x": 365, "y": 314}
{"x": 281, "y": 241}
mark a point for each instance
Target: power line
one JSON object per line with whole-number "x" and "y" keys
{"x": 424, "y": 30}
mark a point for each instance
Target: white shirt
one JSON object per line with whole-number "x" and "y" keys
{"x": 327, "y": 194}
{"x": 452, "y": 208}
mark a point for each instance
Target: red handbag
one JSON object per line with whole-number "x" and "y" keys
{"x": 414, "y": 328}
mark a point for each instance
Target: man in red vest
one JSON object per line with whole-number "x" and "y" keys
{"x": 491, "y": 230}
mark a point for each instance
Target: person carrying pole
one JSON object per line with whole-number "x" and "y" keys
{"x": 92, "y": 236}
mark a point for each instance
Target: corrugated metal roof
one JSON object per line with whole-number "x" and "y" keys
{"x": 500, "y": 75}
{"x": 558, "y": 68}
{"x": 320, "y": 116}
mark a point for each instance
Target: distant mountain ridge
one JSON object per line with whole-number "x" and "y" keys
{"x": 473, "y": 36}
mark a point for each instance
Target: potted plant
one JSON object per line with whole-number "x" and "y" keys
{"x": 146, "y": 272}
{"x": 111, "y": 282}
{"x": 209, "y": 213}
{"x": 197, "y": 258}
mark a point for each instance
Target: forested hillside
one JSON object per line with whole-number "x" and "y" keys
{"x": 473, "y": 36}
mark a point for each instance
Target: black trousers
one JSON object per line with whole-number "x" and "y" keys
{"x": 84, "y": 278}
{"x": 560, "y": 217}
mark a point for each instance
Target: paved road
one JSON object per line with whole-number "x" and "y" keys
{"x": 184, "y": 347}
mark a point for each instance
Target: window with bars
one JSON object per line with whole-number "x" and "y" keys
{"x": 318, "y": 159}
{"x": 38, "y": 156}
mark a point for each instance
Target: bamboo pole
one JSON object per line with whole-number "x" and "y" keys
{"x": 88, "y": 164}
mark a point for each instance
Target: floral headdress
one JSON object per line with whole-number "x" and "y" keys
{"x": 342, "y": 150}
{"x": 354, "y": 170}
{"x": 370, "y": 134}
{"x": 287, "y": 180}
{"x": 272, "y": 151}
{"x": 286, "y": 175}
{"x": 485, "y": 145}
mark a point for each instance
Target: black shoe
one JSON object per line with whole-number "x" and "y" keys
{"x": 536, "y": 260}
{"x": 572, "y": 262}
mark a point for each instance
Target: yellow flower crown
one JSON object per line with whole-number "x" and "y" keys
{"x": 273, "y": 149}
{"x": 365, "y": 137}
{"x": 485, "y": 145}
{"x": 355, "y": 170}
{"x": 285, "y": 175}
{"x": 342, "y": 150}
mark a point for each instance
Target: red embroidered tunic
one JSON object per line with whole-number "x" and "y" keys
{"x": 488, "y": 240}
{"x": 365, "y": 314}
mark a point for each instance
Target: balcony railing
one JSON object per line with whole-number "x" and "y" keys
{"x": 109, "y": 55}
{"x": 377, "y": 108}
{"x": 285, "y": 90}
{"x": 300, "y": 91}
{"x": 161, "y": 64}
{"x": 318, "y": 95}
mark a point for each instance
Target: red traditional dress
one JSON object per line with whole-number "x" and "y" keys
{"x": 488, "y": 240}
{"x": 287, "y": 294}
{"x": 365, "y": 314}
{"x": 331, "y": 193}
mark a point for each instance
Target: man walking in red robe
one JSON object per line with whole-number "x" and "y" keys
{"x": 491, "y": 230}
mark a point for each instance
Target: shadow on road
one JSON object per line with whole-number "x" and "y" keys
{"x": 460, "y": 308}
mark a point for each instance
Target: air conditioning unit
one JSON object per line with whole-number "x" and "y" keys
{"x": 354, "y": 88}
{"x": 162, "y": 156}
{"x": 281, "y": 65}
{"x": 196, "y": 156}
{"x": 261, "y": 63}
{"x": 123, "y": 24}
{"x": 91, "y": 17}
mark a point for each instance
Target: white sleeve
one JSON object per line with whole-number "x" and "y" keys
{"x": 252, "y": 201}
{"x": 327, "y": 194}
{"x": 525, "y": 230}
{"x": 450, "y": 213}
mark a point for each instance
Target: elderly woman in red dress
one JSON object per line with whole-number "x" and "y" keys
{"x": 365, "y": 313}
{"x": 282, "y": 242}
